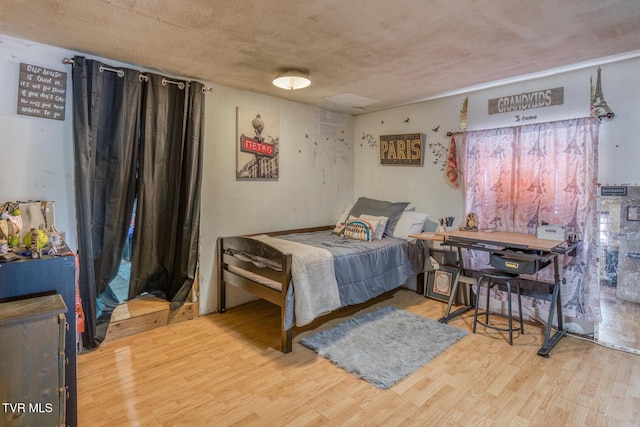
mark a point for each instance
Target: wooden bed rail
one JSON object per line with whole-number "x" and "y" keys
{"x": 297, "y": 230}
{"x": 243, "y": 244}
{"x": 264, "y": 271}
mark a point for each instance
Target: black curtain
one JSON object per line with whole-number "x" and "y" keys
{"x": 135, "y": 139}
{"x": 106, "y": 110}
{"x": 168, "y": 212}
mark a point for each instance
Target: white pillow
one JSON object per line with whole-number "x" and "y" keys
{"x": 409, "y": 223}
{"x": 345, "y": 213}
{"x": 383, "y": 224}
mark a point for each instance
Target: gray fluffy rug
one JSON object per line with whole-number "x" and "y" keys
{"x": 384, "y": 346}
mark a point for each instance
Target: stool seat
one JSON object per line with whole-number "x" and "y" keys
{"x": 488, "y": 275}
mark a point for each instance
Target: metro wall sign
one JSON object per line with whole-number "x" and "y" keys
{"x": 249, "y": 145}
{"x": 527, "y": 101}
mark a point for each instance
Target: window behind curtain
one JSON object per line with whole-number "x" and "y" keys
{"x": 515, "y": 178}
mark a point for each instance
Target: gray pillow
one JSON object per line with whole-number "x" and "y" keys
{"x": 391, "y": 210}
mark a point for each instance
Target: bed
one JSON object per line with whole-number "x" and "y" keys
{"x": 311, "y": 272}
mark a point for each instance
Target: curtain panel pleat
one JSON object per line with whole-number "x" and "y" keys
{"x": 135, "y": 140}
{"x": 105, "y": 121}
{"x": 186, "y": 262}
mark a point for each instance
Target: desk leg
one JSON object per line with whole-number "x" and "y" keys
{"x": 454, "y": 293}
{"x": 449, "y": 316}
{"x": 556, "y": 304}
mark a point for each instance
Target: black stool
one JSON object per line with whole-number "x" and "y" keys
{"x": 489, "y": 275}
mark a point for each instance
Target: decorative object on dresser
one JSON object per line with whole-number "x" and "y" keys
{"x": 361, "y": 345}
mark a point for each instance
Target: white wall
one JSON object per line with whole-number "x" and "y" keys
{"x": 36, "y": 154}
{"x": 324, "y": 160}
{"x": 316, "y": 162}
{"x": 315, "y": 183}
{"x": 427, "y": 188}
{"x": 424, "y": 186}
{"x": 619, "y": 146}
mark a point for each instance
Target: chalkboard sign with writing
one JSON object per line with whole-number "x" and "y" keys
{"x": 42, "y": 92}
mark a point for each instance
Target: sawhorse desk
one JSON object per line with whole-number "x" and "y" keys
{"x": 529, "y": 247}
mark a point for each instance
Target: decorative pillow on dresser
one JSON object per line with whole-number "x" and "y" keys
{"x": 391, "y": 210}
{"x": 361, "y": 229}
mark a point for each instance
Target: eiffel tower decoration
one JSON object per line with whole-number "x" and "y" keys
{"x": 573, "y": 147}
{"x": 573, "y": 225}
{"x": 537, "y": 150}
{"x": 537, "y": 183}
{"x": 599, "y": 107}
{"x": 574, "y": 303}
{"x": 534, "y": 221}
{"x": 572, "y": 184}
{"x": 497, "y": 187}
{"x": 496, "y": 221}
{"x": 574, "y": 263}
{"x": 498, "y": 153}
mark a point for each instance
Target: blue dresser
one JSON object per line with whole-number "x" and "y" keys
{"x": 48, "y": 275}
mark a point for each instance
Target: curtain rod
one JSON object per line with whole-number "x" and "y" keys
{"x": 142, "y": 77}
{"x": 173, "y": 82}
{"x": 119, "y": 72}
{"x": 608, "y": 116}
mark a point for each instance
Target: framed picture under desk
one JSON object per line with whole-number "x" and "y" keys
{"x": 445, "y": 278}
{"x": 441, "y": 281}
{"x": 442, "y": 278}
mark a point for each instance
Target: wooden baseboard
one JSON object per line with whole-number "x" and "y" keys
{"x": 145, "y": 313}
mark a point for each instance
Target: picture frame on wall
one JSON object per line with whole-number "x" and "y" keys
{"x": 440, "y": 283}
{"x": 257, "y": 141}
{"x": 633, "y": 213}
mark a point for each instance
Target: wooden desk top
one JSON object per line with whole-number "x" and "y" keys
{"x": 499, "y": 238}
{"x": 428, "y": 235}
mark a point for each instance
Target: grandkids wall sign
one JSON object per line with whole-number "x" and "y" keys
{"x": 527, "y": 101}
{"x": 402, "y": 150}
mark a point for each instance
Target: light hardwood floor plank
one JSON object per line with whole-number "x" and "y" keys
{"x": 226, "y": 370}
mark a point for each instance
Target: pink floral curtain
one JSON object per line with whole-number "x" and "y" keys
{"x": 515, "y": 178}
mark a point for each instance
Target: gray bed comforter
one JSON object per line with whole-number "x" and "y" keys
{"x": 365, "y": 270}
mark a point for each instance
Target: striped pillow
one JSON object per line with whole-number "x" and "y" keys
{"x": 361, "y": 229}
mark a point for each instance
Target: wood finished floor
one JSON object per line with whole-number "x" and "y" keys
{"x": 225, "y": 370}
{"x": 620, "y": 321}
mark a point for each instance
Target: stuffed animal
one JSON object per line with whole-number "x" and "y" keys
{"x": 11, "y": 226}
{"x": 41, "y": 238}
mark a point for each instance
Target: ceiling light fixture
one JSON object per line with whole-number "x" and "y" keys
{"x": 292, "y": 79}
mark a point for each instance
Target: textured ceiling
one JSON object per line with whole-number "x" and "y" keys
{"x": 391, "y": 52}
